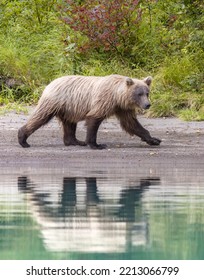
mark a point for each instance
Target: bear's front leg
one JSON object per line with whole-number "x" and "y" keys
{"x": 92, "y": 129}
{"x": 131, "y": 125}
{"x": 152, "y": 141}
{"x": 145, "y": 135}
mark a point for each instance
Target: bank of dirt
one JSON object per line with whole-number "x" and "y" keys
{"x": 182, "y": 143}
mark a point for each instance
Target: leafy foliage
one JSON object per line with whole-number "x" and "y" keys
{"x": 41, "y": 40}
{"x": 108, "y": 25}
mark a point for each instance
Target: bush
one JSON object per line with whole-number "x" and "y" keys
{"x": 109, "y": 25}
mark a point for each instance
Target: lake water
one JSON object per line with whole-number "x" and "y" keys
{"x": 58, "y": 214}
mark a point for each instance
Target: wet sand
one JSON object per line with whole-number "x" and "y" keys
{"x": 182, "y": 145}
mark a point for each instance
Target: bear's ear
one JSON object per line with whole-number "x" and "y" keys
{"x": 148, "y": 80}
{"x": 129, "y": 82}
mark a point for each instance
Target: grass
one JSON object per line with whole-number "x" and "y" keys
{"x": 34, "y": 52}
{"x": 171, "y": 94}
{"x": 13, "y": 107}
{"x": 178, "y": 89}
{"x": 191, "y": 115}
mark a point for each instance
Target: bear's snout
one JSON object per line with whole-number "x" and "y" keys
{"x": 147, "y": 106}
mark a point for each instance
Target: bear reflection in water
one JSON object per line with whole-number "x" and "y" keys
{"x": 89, "y": 214}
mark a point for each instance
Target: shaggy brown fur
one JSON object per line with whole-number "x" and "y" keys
{"x": 75, "y": 98}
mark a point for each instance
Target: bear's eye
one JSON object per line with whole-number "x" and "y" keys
{"x": 140, "y": 93}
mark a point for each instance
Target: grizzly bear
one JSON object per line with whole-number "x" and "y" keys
{"x": 75, "y": 98}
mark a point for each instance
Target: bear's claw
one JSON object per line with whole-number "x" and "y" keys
{"x": 154, "y": 141}
{"x": 97, "y": 146}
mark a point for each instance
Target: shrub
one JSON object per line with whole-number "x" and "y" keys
{"x": 109, "y": 25}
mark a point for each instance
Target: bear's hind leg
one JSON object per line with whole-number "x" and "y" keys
{"x": 70, "y": 135}
{"x": 35, "y": 122}
{"x": 22, "y": 137}
{"x": 92, "y": 129}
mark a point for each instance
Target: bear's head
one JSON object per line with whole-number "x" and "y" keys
{"x": 139, "y": 91}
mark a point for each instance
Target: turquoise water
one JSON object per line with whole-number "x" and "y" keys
{"x": 55, "y": 214}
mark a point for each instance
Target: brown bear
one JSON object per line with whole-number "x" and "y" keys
{"x": 75, "y": 98}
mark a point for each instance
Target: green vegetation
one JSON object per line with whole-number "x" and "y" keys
{"x": 41, "y": 40}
